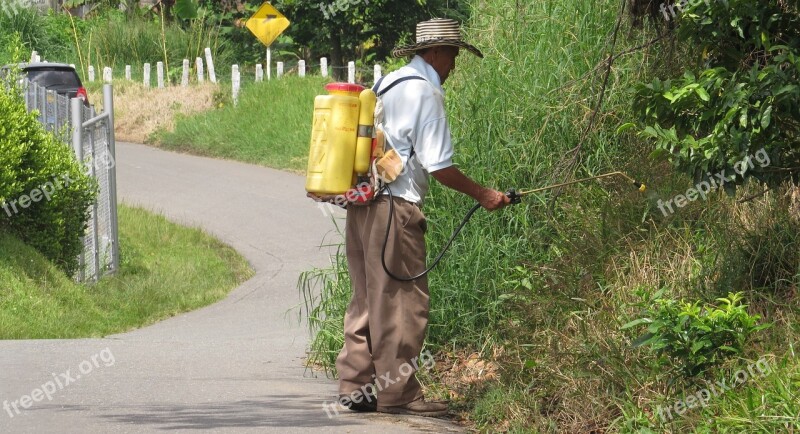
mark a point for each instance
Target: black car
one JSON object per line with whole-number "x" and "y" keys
{"x": 59, "y": 77}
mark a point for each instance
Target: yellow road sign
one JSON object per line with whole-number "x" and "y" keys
{"x": 267, "y": 24}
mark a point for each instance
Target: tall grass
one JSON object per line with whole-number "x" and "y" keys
{"x": 111, "y": 38}
{"x": 47, "y": 34}
{"x": 509, "y": 132}
{"x": 325, "y": 292}
{"x": 115, "y": 39}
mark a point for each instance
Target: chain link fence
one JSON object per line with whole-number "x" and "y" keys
{"x": 92, "y": 138}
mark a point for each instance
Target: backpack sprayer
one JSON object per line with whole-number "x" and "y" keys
{"x": 348, "y": 160}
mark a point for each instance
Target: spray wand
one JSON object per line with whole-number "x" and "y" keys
{"x": 516, "y": 197}
{"x": 512, "y": 194}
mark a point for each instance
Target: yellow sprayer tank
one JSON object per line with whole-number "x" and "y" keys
{"x": 331, "y": 157}
{"x": 366, "y": 124}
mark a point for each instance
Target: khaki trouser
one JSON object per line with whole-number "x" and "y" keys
{"x": 385, "y": 323}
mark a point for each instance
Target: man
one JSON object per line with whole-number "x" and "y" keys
{"x": 386, "y": 320}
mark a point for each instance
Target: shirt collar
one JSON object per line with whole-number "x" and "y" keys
{"x": 421, "y": 67}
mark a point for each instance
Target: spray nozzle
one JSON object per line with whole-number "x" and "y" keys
{"x": 515, "y": 197}
{"x": 640, "y": 186}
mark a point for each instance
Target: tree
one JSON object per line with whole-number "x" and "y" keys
{"x": 340, "y": 29}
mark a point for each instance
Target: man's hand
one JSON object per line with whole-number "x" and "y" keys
{"x": 493, "y": 199}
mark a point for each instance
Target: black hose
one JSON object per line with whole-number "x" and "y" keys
{"x": 438, "y": 258}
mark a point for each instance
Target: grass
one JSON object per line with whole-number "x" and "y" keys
{"x": 270, "y": 126}
{"x": 166, "y": 270}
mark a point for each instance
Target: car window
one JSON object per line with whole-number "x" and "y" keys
{"x": 54, "y": 77}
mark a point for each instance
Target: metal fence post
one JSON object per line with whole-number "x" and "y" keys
{"x": 76, "y": 121}
{"x": 95, "y": 212}
{"x": 35, "y": 104}
{"x": 48, "y": 108}
{"x": 42, "y": 105}
{"x": 108, "y": 105}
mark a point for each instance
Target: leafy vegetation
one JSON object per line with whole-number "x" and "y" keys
{"x": 743, "y": 97}
{"x": 694, "y": 338}
{"x": 44, "y": 192}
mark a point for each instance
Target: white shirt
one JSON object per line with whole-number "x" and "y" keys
{"x": 414, "y": 115}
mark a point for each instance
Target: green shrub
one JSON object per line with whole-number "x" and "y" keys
{"x": 690, "y": 338}
{"x": 44, "y": 192}
{"x": 744, "y": 99}
{"x": 11, "y": 48}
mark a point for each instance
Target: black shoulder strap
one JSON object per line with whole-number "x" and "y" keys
{"x": 396, "y": 82}
{"x": 388, "y": 88}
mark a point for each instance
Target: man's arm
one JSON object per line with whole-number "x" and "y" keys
{"x": 453, "y": 178}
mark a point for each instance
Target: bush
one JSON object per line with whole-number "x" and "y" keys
{"x": 44, "y": 192}
{"x": 692, "y": 339}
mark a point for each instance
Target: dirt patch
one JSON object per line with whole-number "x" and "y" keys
{"x": 140, "y": 111}
{"x": 460, "y": 372}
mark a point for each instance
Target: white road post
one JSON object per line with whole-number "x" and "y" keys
{"x": 280, "y": 69}
{"x": 107, "y": 74}
{"x": 185, "y": 73}
{"x": 323, "y": 66}
{"x": 236, "y": 80}
{"x": 200, "y": 74}
{"x": 128, "y": 72}
{"x": 91, "y": 73}
{"x": 378, "y": 73}
{"x": 269, "y": 63}
{"x": 146, "y": 74}
{"x": 210, "y": 63}
{"x": 259, "y": 73}
{"x": 351, "y": 72}
{"x": 301, "y": 68}
{"x": 160, "y": 74}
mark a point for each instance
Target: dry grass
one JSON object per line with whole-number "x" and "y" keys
{"x": 140, "y": 111}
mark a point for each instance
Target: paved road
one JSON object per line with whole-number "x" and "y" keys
{"x": 235, "y": 366}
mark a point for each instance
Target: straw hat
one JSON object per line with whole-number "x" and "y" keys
{"x": 438, "y": 31}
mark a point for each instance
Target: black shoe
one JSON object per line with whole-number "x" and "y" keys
{"x": 368, "y": 403}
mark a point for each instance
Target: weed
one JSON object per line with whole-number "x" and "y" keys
{"x": 694, "y": 338}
